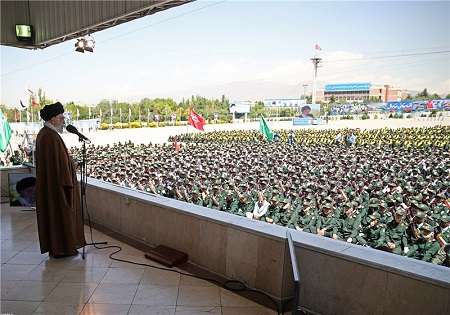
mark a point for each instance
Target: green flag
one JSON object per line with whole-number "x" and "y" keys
{"x": 264, "y": 129}
{"x": 5, "y": 132}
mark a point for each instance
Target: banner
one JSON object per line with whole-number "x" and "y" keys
{"x": 284, "y": 102}
{"x": 5, "y": 132}
{"x": 299, "y": 121}
{"x": 239, "y": 107}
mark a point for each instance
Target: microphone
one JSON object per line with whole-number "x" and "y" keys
{"x": 73, "y": 129}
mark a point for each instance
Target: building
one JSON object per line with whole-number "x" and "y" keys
{"x": 359, "y": 92}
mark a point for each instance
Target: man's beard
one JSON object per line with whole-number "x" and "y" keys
{"x": 60, "y": 128}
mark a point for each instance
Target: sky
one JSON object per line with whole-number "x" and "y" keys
{"x": 245, "y": 50}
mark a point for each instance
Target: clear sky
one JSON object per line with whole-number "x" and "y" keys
{"x": 247, "y": 50}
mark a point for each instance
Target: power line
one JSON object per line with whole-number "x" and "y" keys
{"x": 393, "y": 56}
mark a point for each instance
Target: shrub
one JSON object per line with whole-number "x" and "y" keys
{"x": 161, "y": 124}
{"x": 135, "y": 124}
{"x": 152, "y": 124}
{"x": 365, "y": 116}
{"x": 104, "y": 126}
{"x": 375, "y": 117}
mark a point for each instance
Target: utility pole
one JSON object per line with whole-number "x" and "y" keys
{"x": 316, "y": 60}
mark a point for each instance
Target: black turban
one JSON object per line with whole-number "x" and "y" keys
{"x": 25, "y": 183}
{"x": 50, "y": 111}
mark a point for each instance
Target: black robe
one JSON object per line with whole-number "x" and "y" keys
{"x": 58, "y": 203}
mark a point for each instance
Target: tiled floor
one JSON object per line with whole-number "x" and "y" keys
{"x": 34, "y": 283}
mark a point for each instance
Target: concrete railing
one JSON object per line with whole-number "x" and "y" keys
{"x": 336, "y": 277}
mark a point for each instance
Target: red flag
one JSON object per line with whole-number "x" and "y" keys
{"x": 175, "y": 144}
{"x": 16, "y": 115}
{"x": 35, "y": 103}
{"x": 196, "y": 120}
{"x": 318, "y": 47}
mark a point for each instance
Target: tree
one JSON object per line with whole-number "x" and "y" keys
{"x": 424, "y": 93}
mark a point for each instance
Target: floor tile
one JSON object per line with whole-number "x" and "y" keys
{"x": 84, "y": 275}
{"x": 33, "y": 291}
{"x": 72, "y": 293}
{"x": 198, "y": 310}
{"x": 15, "y": 272}
{"x": 156, "y": 295}
{"x": 27, "y": 258}
{"x": 123, "y": 275}
{"x": 156, "y": 276}
{"x": 199, "y": 296}
{"x": 18, "y": 307}
{"x": 58, "y": 308}
{"x": 105, "y": 309}
{"x": 151, "y": 310}
{"x": 112, "y": 293}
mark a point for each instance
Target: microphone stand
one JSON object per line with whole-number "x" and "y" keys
{"x": 83, "y": 184}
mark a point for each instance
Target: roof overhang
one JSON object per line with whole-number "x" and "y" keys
{"x": 56, "y": 22}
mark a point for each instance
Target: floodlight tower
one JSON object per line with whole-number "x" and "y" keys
{"x": 316, "y": 60}
{"x": 304, "y": 90}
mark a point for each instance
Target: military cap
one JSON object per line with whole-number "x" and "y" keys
{"x": 401, "y": 212}
{"x": 374, "y": 216}
{"x": 195, "y": 191}
{"x": 349, "y": 204}
{"x": 327, "y": 205}
{"x": 441, "y": 196}
{"x": 427, "y": 227}
{"x": 420, "y": 214}
{"x": 398, "y": 198}
{"x": 445, "y": 218}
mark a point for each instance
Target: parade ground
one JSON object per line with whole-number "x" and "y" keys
{"x": 160, "y": 135}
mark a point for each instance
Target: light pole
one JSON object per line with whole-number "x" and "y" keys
{"x": 304, "y": 91}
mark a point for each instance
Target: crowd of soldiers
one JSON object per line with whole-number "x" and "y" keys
{"x": 389, "y": 189}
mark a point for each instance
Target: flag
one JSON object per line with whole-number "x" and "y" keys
{"x": 196, "y": 120}
{"x": 129, "y": 112}
{"x": 112, "y": 113}
{"x": 31, "y": 92}
{"x": 35, "y": 103}
{"x": 5, "y": 132}
{"x": 175, "y": 144}
{"x": 264, "y": 129}
{"x": 318, "y": 47}
{"x": 78, "y": 113}
{"x": 148, "y": 112}
{"x": 21, "y": 104}
{"x": 16, "y": 115}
